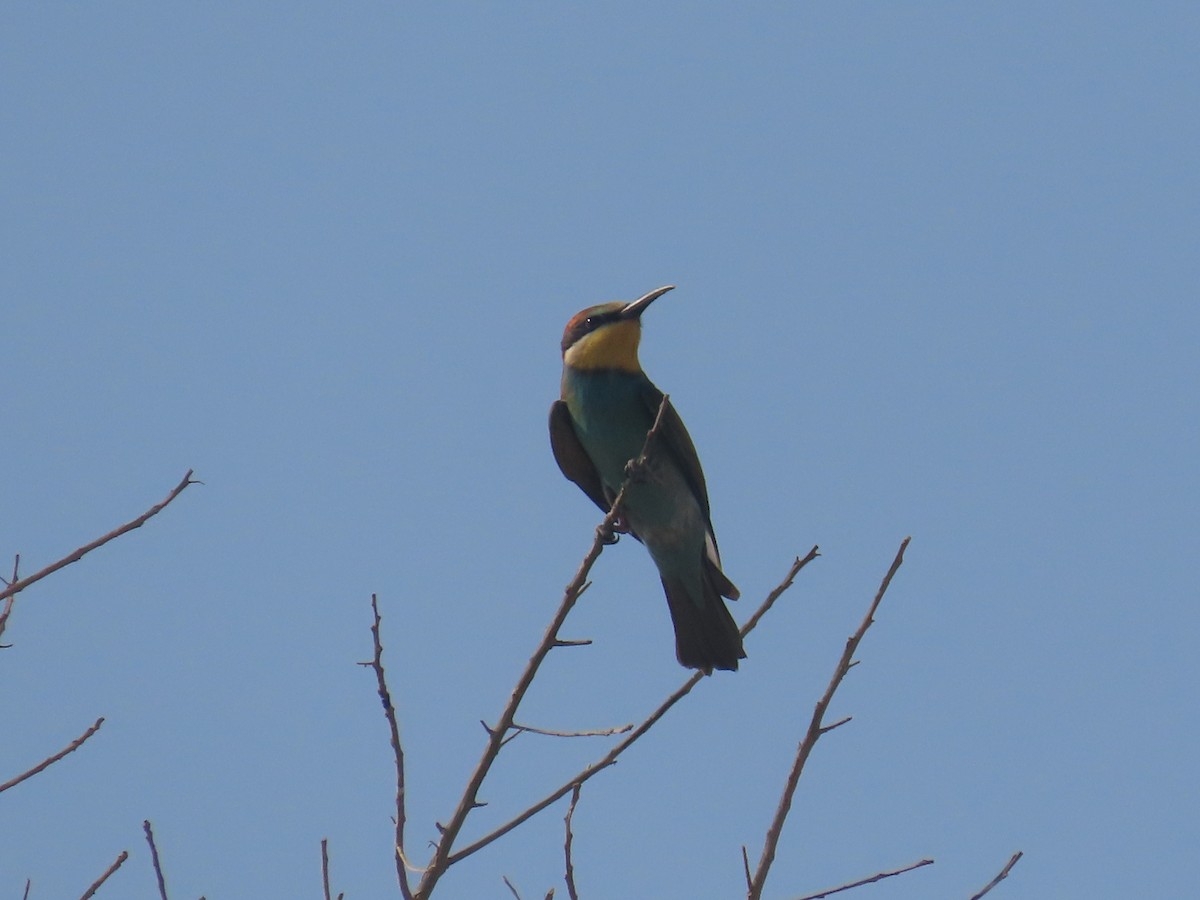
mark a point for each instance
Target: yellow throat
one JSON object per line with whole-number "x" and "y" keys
{"x": 613, "y": 346}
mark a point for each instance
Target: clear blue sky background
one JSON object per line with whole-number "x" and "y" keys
{"x": 938, "y": 275}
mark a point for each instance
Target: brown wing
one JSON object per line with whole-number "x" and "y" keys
{"x": 572, "y": 459}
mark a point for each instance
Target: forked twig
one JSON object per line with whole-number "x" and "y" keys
{"x": 51, "y": 760}
{"x": 878, "y": 876}
{"x": 443, "y": 857}
{"x": 1000, "y": 877}
{"x": 815, "y": 730}
{"x": 617, "y": 749}
{"x": 18, "y": 586}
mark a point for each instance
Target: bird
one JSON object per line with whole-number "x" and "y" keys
{"x": 606, "y": 408}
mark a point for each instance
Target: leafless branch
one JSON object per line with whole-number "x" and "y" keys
{"x": 611, "y": 757}
{"x": 91, "y": 892}
{"x": 598, "y": 732}
{"x": 510, "y": 887}
{"x": 766, "y": 605}
{"x": 11, "y": 599}
{"x": 51, "y": 760}
{"x": 325, "y": 867}
{"x": 443, "y": 857}
{"x": 16, "y": 586}
{"x": 158, "y": 873}
{"x": 879, "y": 876}
{"x": 28, "y": 885}
{"x": 325, "y": 870}
{"x": 815, "y": 731}
{"x": 570, "y": 839}
{"x": 1003, "y": 874}
{"x": 389, "y": 710}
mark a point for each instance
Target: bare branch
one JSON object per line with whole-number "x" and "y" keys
{"x": 91, "y": 891}
{"x": 50, "y": 760}
{"x": 389, "y": 711}
{"x": 158, "y": 873}
{"x": 599, "y": 732}
{"x": 510, "y": 887}
{"x": 325, "y": 867}
{"x": 443, "y": 857}
{"x": 17, "y": 586}
{"x": 825, "y": 729}
{"x": 1003, "y": 874}
{"x": 570, "y": 839}
{"x": 11, "y": 599}
{"x": 611, "y": 757}
{"x": 879, "y": 876}
{"x": 28, "y": 885}
{"x": 408, "y": 865}
{"x": 799, "y": 564}
{"x": 815, "y": 731}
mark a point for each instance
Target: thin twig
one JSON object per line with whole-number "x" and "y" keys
{"x": 879, "y": 876}
{"x": 28, "y": 885}
{"x": 611, "y": 757}
{"x": 158, "y": 872}
{"x": 325, "y": 867}
{"x": 799, "y": 564}
{"x": 91, "y": 892}
{"x": 18, "y": 586}
{"x": 389, "y": 710}
{"x": 598, "y": 732}
{"x": 443, "y": 857}
{"x": 814, "y": 733}
{"x": 570, "y": 839}
{"x": 10, "y": 600}
{"x": 50, "y": 760}
{"x": 1003, "y": 874}
{"x": 510, "y": 887}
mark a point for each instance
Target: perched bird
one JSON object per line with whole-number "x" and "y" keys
{"x": 607, "y": 408}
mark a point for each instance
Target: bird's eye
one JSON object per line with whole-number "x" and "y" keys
{"x": 589, "y": 323}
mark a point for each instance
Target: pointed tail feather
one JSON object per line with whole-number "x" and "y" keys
{"x": 706, "y": 636}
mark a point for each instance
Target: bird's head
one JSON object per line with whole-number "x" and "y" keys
{"x": 606, "y": 336}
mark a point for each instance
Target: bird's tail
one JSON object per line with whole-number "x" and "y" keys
{"x": 706, "y": 636}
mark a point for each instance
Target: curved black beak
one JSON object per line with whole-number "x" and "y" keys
{"x": 638, "y": 306}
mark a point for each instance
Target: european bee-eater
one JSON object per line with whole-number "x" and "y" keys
{"x": 607, "y": 408}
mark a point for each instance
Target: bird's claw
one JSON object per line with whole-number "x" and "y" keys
{"x": 608, "y": 536}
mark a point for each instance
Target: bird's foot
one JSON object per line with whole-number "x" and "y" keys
{"x": 608, "y": 535}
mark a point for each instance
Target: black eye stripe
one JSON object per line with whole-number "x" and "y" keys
{"x": 591, "y": 323}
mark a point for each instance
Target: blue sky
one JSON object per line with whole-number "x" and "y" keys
{"x": 937, "y": 275}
